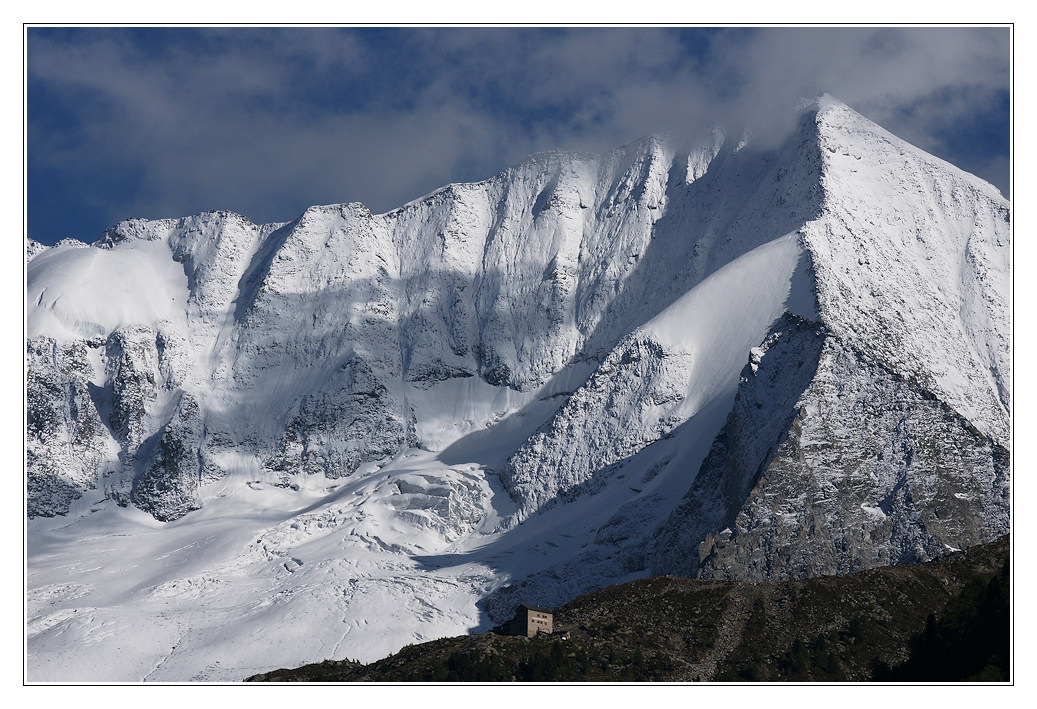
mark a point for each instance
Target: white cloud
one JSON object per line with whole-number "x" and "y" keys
{"x": 267, "y": 121}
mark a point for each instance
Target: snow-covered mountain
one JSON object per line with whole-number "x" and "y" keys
{"x": 257, "y": 446}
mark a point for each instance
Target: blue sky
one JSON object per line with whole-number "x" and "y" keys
{"x": 165, "y": 122}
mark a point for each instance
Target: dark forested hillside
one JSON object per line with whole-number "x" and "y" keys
{"x": 945, "y": 621}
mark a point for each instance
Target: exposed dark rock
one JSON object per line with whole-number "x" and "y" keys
{"x": 830, "y": 463}
{"x": 67, "y": 444}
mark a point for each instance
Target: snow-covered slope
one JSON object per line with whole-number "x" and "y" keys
{"x": 914, "y": 266}
{"x": 659, "y": 376}
{"x": 257, "y": 445}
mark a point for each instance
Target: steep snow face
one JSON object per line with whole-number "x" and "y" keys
{"x": 913, "y": 266}
{"x": 513, "y": 274}
{"x": 317, "y": 354}
{"x": 555, "y": 260}
{"x": 256, "y": 446}
{"x": 661, "y": 375}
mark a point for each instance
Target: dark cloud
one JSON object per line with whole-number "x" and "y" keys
{"x": 167, "y": 122}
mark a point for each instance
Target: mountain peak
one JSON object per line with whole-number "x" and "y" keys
{"x": 677, "y": 356}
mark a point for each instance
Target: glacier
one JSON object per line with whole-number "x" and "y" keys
{"x": 255, "y": 446}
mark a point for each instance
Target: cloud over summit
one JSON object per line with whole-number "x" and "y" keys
{"x": 172, "y": 121}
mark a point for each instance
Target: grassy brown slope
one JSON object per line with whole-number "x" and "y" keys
{"x": 835, "y": 628}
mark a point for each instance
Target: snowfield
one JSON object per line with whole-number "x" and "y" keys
{"x": 259, "y": 446}
{"x": 401, "y": 553}
{"x": 85, "y": 292}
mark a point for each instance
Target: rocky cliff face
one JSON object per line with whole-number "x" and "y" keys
{"x": 850, "y": 488}
{"x": 68, "y": 447}
{"x": 830, "y": 463}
